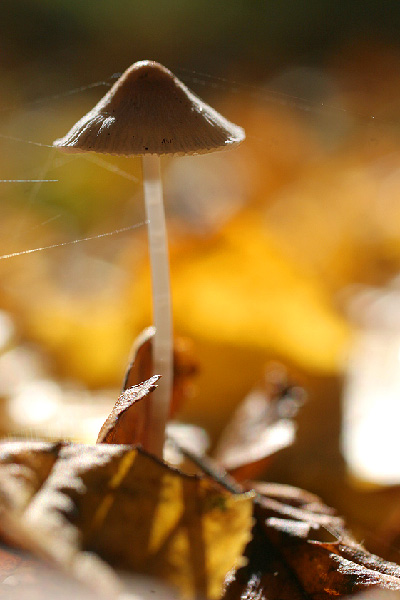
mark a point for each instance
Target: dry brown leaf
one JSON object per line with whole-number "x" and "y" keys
{"x": 126, "y": 424}
{"x": 134, "y": 512}
{"x": 138, "y": 514}
{"x": 300, "y": 549}
{"x": 185, "y": 367}
{"x": 119, "y": 504}
{"x": 262, "y": 425}
{"x": 24, "y": 468}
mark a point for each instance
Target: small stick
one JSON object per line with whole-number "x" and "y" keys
{"x": 210, "y": 468}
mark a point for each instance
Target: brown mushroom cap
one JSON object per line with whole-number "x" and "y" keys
{"x": 149, "y": 111}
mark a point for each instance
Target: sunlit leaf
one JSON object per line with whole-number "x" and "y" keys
{"x": 300, "y": 549}
{"x": 261, "y": 425}
{"x": 185, "y": 367}
{"x": 136, "y": 513}
{"x": 126, "y": 424}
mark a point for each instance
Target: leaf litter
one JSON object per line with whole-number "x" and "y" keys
{"x": 92, "y": 512}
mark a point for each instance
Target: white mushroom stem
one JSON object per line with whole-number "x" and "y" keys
{"x": 162, "y": 317}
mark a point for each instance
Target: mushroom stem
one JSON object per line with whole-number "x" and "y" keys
{"x": 162, "y": 318}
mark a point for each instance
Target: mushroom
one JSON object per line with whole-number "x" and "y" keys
{"x": 148, "y": 112}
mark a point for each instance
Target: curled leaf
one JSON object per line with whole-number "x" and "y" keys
{"x": 301, "y": 549}
{"x": 261, "y": 425}
{"x": 129, "y": 421}
{"x": 141, "y": 369}
{"x": 138, "y": 514}
{"x": 126, "y": 424}
{"x": 24, "y": 468}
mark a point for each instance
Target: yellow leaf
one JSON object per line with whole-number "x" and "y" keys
{"x": 138, "y": 514}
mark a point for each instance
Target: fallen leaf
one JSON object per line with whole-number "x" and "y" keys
{"x": 92, "y": 508}
{"x": 134, "y": 512}
{"x": 261, "y": 425}
{"x": 23, "y": 472}
{"x": 184, "y": 367}
{"x": 126, "y": 424}
{"x": 288, "y": 557}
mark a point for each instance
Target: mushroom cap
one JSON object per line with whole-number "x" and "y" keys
{"x": 149, "y": 111}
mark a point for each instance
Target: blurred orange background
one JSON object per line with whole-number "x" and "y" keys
{"x": 268, "y": 243}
